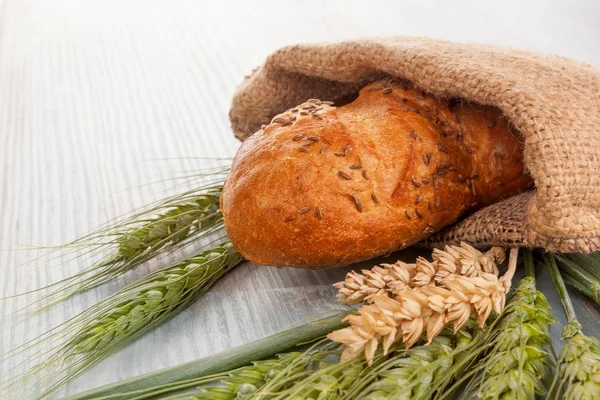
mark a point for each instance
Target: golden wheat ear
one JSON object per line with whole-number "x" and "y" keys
{"x": 404, "y": 301}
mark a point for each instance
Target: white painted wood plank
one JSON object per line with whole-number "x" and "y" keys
{"x": 93, "y": 93}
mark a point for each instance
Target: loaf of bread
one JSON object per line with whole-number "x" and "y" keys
{"x": 324, "y": 186}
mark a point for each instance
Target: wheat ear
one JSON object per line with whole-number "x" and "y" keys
{"x": 246, "y": 381}
{"x": 421, "y": 297}
{"x": 517, "y": 363}
{"x": 171, "y": 224}
{"x": 215, "y": 369}
{"x": 579, "y": 368}
{"x": 110, "y": 324}
{"x": 417, "y": 373}
{"x": 133, "y": 239}
{"x": 322, "y": 380}
{"x": 385, "y": 279}
{"x": 270, "y": 379}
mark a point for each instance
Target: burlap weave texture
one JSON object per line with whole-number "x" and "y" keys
{"x": 553, "y": 101}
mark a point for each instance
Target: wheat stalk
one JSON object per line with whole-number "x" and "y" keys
{"x": 411, "y": 376}
{"x": 580, "y": 272}
{"x": 309, "y": 374}
{"x": 585, "y": 262}
{"x": 182, "y": 220}
{"x": 303, "y": 372}
{"x": 189, "y": 217}
{"x": 214, "y": 369}
{"x": 404, "y": 374}
{"x": 246, "y": 381}
{"x": 424, "y": 297}
{"x": 513, "y": 365}
{"x": 121, "y": 246}
{"x": 105, "y": 327}
{"x": 517, "y": 365}
{"x": 330, "y": 381}
{"x": 579, "y": 360}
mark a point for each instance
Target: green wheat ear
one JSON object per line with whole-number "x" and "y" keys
{"x": 516, "y": 362}
{"x": 155, "y": 230}
{"x": 578, "y": 364}
{"x": 104, "y": 328}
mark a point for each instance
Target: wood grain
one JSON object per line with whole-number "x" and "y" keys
{"x": 99, "y": 97}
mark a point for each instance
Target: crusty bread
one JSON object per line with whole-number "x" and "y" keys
{"x": 324, "y": 186}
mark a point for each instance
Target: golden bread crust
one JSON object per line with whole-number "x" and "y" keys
{"x": 325, "y": 186}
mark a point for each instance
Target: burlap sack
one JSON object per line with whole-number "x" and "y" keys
{"x": 553, "y": 101}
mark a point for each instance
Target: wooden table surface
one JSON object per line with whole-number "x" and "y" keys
{"x": 99, "y": 97}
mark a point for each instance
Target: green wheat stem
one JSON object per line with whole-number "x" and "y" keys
{"x": 112, "y": 323}
{"x": 579, "y": 278}
{"x": 529, "y": 264}
{"x": 590, "y": 263}
{"x": 573, "y": 326}
{"x": 196, "y": 372}
{"x": 412, "y": 376}
{"x": 578, "y": 376}
{"x": 569, "y": 280}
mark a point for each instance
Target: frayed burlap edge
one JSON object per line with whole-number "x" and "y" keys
{"x": 505, "y": 224}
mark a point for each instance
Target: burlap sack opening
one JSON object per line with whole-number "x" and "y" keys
{"x": 553, "y": 101}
